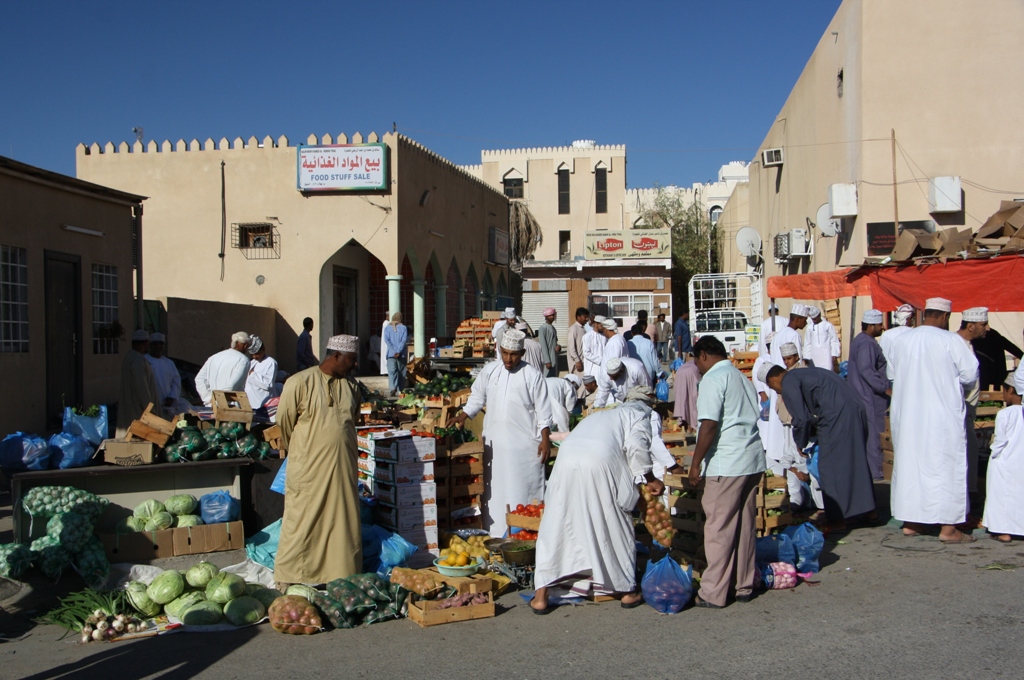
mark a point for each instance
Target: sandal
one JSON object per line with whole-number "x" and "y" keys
{"x": 998, "y": 537}
{"x": 697, "y": 602}
{"x": 540, "y": 612}
{"x": 962, "y": 538}
{"x": 633, "y": 605}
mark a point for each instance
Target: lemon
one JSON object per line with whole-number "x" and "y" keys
{"x": 463, "y": 560}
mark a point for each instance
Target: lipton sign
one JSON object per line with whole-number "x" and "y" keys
{"x": 632, "y": 244}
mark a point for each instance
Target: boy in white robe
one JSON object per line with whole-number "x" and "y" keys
{"x": 1004, "y": 513}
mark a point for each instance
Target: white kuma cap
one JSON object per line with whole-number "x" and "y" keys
{"x": 976, "y": 315}
{"x": 872, "y": 316}
{"x": 513, "y": 341}
{"x": 938, "y": 304}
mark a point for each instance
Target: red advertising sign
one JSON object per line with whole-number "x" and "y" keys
{"x": 645, "y": 244}
{"x": 610, "y": 245}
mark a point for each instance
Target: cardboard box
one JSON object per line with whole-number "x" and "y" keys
{"x": 129, "y": 454}
{"x": 208, "y": 538}
{"x": 401, "y": 473}
{"x": 141, "y": 546}
{"x": 427, "y": 538}
{"x": 400, "y": 447}
{"x": 406, "y": 518}
{"x": 409, "y": 495}
{"x": 887, "y": 442}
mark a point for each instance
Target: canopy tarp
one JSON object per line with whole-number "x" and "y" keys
{"x": 996, "y": 283}
{"x": 817, "y": 286}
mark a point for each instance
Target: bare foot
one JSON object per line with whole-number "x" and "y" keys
{"x": 1003, "y": 538}
{"x": 911, "y": 529}
{"x": 540, "y": 600}
{"x": 631, "y": 598}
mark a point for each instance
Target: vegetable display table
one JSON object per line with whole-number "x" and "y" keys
{"x": 126, "y": 487}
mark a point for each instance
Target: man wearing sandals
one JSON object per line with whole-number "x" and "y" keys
{"x": 932, "y": 368}
{"x": 730, "y": 458}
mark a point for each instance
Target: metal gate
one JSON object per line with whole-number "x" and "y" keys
{"x": 534, "y": 305}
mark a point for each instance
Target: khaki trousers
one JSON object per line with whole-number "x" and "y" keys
{"x": 730, "y": 506}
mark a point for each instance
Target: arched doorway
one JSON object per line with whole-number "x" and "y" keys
{"x": 452, "y": 316}
{"x": 345, "y": 307}
{"x": 472, "y": 293}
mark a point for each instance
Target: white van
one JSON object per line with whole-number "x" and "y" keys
{"x": 725, "y": 306}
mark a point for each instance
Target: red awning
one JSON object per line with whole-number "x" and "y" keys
{"x": 996, "y": 283}
{"x": 817, "y": 286}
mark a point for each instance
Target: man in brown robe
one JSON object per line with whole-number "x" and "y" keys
{"x": 321, "y": 538}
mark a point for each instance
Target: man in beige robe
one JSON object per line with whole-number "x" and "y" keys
{"x": 138, "y": 386}
{"x": 321, "y": 539}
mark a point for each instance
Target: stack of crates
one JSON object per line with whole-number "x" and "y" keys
{"x": 398, "y": 468}
{"x": 461, "y": 486}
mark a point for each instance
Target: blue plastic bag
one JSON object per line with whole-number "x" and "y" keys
{"x": 93, "y": 430}
{"x": 261, "y": 547}
{"x": 808, "y": 542}
{"x": 395, "y": 551}
{"x": 812, "y": 464}
{"x": 676, "y": 365}
{"x": 218, "y": 507}
{"x": 279, "y": 479}
{"x": 662, "y": 390}
{"x": 777, "y": 548}
{"x": 666, "y": 587}
{"x": 20, "y": 451}
{"x": 69, "y": 451}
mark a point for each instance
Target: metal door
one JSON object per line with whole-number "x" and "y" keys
{"x": 63, "y": 335}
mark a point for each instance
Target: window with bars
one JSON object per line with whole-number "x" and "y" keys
{"x": 106, "y": 329}
{"x": 513, "y": 187}
{"x": 601, "y": 190}
{"x": 13, "y": 299}
{"x": 563, "y": 191}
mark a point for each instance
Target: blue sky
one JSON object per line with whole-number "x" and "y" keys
{"x": 687, "y": 86}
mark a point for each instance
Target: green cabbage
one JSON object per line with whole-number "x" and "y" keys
{"x": 15, "y": 558}
{"x": 223, "y": 588}
{"x": 147, "y": 509}
{"x": 302, "y": 591}
{"x": 166, "y": 587}
{"x": 180, "y": 604}
{"x": 140, "y": 600}
{"x": 182, "y": 504}
{"x": 200, "y": 575}
{"x": 160, "y": 520}
{"x": 244, "y": 610}
{"x": 205, "y": 613}
{"x": 71, "y": 529}
{"x": 265, "y": 595}
{"x": 130, "y": 524}
{"x": 188, "y": 521}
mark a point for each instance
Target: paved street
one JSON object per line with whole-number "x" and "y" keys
{"x": 886, "y": 606}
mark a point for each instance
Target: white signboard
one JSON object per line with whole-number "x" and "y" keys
{"x": 342, "y": 167}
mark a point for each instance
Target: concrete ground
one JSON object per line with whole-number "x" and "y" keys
{"x": 886, "y": 605}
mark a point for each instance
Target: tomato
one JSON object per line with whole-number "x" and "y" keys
{"x": 520, "y": 508}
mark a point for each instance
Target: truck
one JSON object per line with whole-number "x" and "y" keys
{"x": 727, "y": 306}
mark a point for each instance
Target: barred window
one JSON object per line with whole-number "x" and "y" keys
{"x": 105, "y": 326}
{"x": 13, "y": 299}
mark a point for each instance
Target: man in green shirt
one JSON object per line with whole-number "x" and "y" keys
{"x": 547, "y": 336}
{"x": 730, "y": 458}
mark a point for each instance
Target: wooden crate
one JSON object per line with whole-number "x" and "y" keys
{"x": 774, "y": 483}
{"x": 520, "y": 522}
{"x": 987, "y": 410}
{"x": 231, "y": 407}
{"x": 426, "y": 612}
{"x": 272, "y": 435}
{"x": 695, "y": 526}
{"x": 772, "y": 502}
{"x": 474, "y": 583}
{"x": 681, "y": 505}
{"x": 151, "y": 428}
{"x": 766, "y": 523}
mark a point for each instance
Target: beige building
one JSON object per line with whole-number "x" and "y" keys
{"x": 340, "y": 229}
{"x": 590, "y": 255}
{"x": 67, "y": 300}
{"x": 939, "y": 77}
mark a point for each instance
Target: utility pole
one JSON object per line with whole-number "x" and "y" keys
{"x": 895, "y": 197}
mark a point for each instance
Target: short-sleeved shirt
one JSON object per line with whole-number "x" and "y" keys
{"x": 727, "y": 397}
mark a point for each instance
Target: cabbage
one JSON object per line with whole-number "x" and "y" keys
{"x": 182, "y": 504}
{"x": 136, "y": 585}
{"x": 188, "y": 521}
{"x": 199, "y": 576}
{"x": 130, "y": 524}
{"x": 160, "y": 520}
{"x": 51, "y": 557}
{"x": 265, "y": 595}
{"x": 302, "y": 591}
{"x": 140, "y": 600}
{"x": 179, "y": 605}
{"x": 244, "y": 610}
{"x": 15, "y": 558}
{"x": 166, "y": 587}
{"x": 147, "y": 509}
{"x": 205, "y": 613}
{"x": 71, "y": 529}
{"x": 225, "y": 587}
{"x": 251, "y": 587}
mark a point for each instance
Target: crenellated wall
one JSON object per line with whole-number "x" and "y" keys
{"x": 182, "y": 230}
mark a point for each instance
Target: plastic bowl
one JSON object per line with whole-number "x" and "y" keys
{"x": 467, "y": 570}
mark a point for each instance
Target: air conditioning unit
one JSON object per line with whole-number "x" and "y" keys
{"x": 771, "y": 157}
{"x": 781, "y": 248}
{"x": 798, "y": 243}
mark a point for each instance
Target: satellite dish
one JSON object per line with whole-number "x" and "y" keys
{"x": 829, "y": 226}
{"x": 748, "y": 241}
